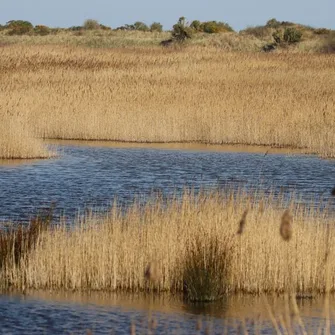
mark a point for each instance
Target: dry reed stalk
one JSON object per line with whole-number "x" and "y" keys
{"x": 157, "y": 95}
{"x": 111, "y": 254}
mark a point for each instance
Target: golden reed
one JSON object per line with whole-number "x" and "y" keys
{"x": 129, "y": 251}
{"x": 154, "y": 94}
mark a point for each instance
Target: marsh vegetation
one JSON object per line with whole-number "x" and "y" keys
{"x": 156, "y": 94}
{"x": 194, "y": 246}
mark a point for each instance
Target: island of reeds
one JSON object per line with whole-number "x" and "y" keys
{"x": 271, "y": 85}
{"x": 202, "y": 246}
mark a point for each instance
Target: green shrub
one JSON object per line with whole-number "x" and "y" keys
{"x": 212, "y": 27}
{"x": 273, "y": 23}
{"x": 196, "y": 25}
{"x": 156, "y": 26}
{"x": 278, "y": 36}
{"x": 19, "y": 27}
{"x": 90, "y": 24}
{"x": 181, "y": 31}
{"x": 206, "y": 269}
{"x": 42, "y": 30}
{"x": 292, "y": 35}
{"x": 140, "y": 26}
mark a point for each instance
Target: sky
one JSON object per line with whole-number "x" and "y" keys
{"x": 239, "y": 14}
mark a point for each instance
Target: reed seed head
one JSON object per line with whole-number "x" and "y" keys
{"x": 286, "y": 230}
{"x": 242, "y": 222}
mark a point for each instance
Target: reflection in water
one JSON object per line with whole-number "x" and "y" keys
{"x": 179, "y": 146}
{"x": 60, "y": 313}
{"x": 92, "y": 176}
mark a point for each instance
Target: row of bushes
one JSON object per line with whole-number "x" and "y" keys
{"x": 21, "y": 27}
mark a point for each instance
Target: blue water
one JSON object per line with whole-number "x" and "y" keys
{"x": 85, "y": 177}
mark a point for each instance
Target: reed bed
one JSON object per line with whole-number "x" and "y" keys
{"x": 155, "y": 94}
{"x": 17, "y": 142}
{"x": 149, "y": 248}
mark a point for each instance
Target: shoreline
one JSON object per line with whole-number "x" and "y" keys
{"x": 189, "y": 146}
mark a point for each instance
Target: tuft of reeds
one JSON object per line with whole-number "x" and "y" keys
{"x": 17, "y": 241}
{"x": 206, "y": 270}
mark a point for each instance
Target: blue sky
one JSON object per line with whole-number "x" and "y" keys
{"x": 238, "y": 13}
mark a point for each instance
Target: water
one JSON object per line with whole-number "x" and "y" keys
{"x": 60, "y": 313}
{"x": 84, "y": 177}
{"x": 91, "y": 176}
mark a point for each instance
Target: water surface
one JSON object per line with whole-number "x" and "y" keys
{"x": 91, "y": 176}
{"x": 65, "y": 313}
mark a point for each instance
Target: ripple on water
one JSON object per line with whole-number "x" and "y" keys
{"x": 91, "y": 176}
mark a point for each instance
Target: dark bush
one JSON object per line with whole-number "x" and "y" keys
{"x": 269, "y": 47}
{"x": 156, "y": 26}
{"x": 19, "y": 27}
{"x": 166, "y": 43}
{"x": 42, "y": 30}
{"x": 181, "y": 31}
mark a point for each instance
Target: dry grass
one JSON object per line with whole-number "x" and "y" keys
{"x": 155, "y": 94}
{"x": 149, "y": 249}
